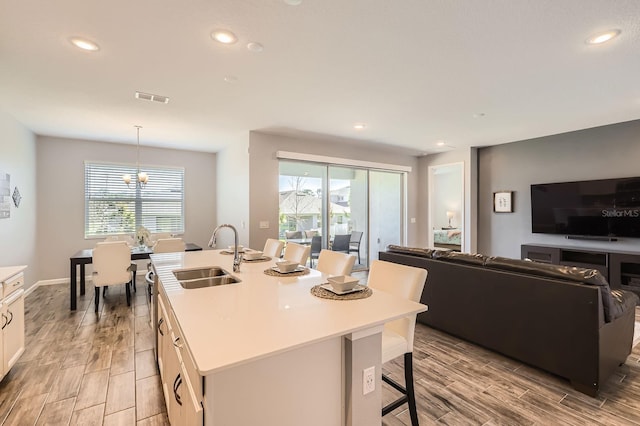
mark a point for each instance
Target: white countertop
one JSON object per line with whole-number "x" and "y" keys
{"x": 9, "y": 271}
{"x": 232, "y": 324}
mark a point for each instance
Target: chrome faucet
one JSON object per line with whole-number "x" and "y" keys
{"x": 237, "y": 259}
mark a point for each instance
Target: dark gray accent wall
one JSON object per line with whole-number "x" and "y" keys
{"x": 599, "y": 153}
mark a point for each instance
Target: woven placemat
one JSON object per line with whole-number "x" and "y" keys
{"x": 230, "y": 252}
{"x": 273, "y": 273}
{"x": 318, "y": 291}
{"x": 260, "y": 259}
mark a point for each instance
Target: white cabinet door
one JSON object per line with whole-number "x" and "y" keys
{"x": 173, "y": 382}
{"x": 3, "y": 323}
{"x": 163, "y": 329}
{"x": 13, "y": 333}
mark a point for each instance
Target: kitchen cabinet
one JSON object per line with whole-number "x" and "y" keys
{"x": 181, "y": 383}
{"x": 11, "y": 316}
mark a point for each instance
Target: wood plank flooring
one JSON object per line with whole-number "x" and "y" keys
{"x": 459, "y": 383}
{"x": 80, "y": 368}
{"x": 83, "y": 368}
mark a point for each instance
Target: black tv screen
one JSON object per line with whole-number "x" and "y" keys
{"x": 602, "y": 208}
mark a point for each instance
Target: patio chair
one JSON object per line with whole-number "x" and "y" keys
{"x": 316, "y": 247}
{"x": 354, "y": 243}
{"x": 341, "y": 243}
{"x": 289, "y": 235}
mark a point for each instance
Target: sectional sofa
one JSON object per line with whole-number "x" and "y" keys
{"x": 564, "y": 320}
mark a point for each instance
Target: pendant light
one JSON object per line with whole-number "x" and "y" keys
{"x": 142, "y": 177}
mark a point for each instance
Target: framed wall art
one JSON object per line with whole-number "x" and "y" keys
{"x": 503, "y": 202}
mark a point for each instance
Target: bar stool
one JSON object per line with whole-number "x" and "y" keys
{"x": 397, "y": 336}
{"x": 335, "y": 263}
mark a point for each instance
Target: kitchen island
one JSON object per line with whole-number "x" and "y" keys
{"x": 264, "y": 350}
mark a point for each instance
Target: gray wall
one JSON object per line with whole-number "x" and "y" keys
{"x": 18, "y": 232}
{"x": 599, "y": 153}
{"x": 264, "y": 171}
{"x": 60, "y": 210}
{"x": 233, "y": 192}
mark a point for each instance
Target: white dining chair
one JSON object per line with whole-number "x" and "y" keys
{"x": 273, "y": 247}
{"x": 335, "y": 263}
{"x": 397, "y": 336}
{"x": 130, "y": 242}
{"x": 168, "y": 245}
{"x": 163, "y": 245}
{"x": 297, "y": 253}
{"x": 112, "y": 266}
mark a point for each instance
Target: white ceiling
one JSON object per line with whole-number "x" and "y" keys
{"x": 416, "y": 71}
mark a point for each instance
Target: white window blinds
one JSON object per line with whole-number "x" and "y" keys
{"x": 113, "y": 208}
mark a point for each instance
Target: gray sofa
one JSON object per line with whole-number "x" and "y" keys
{"x": 564, "y": 320}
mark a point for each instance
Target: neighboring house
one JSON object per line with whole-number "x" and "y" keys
{"x": 300, "y": 211}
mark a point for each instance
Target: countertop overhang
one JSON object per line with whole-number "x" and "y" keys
{"x": 229, "y": 325}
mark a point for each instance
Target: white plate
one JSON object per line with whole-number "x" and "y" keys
{"x": 298, "y": 269}
{"x": 357, "y": 288}
{"x": 246, "y": 259}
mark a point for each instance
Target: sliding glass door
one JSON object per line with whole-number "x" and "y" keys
{"x": 386, "y": 218}
{"x": 348, "y": 207}
{"x": 351, "y": 209}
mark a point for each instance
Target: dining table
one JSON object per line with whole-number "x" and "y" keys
{"x": 85, "y": 257}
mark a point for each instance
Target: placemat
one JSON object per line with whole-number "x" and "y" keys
{"x": 273, "y": 273}
{"x": 318, "y": 291}
{"x": 230, "y": 251}
{"x": 261, "y": 259}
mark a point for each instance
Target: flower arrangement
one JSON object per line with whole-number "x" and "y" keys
{"x": 143, "y": 236}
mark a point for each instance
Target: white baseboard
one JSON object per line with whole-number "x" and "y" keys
{"x": 55, "y": 281}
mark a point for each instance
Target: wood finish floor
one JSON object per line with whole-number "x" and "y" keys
{"x": 458, "y": 383}
{"x": 83, "y": 369}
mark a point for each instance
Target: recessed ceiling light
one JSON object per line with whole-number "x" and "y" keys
{"x": 440, "y": 143}
{"x": 224, "y": 36}
{"x": 293, "y": 2}
{"x": 255, "y": 47}
{"x": 603, "y": 37}
{"x": 230, "y": 78}
{"x": 84, "y": 44}
{"x": 359, "y": 126}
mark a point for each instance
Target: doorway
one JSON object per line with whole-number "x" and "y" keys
{"x": 446, "y": 207}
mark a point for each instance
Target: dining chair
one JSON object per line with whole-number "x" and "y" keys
{"x": 316, "y": 247}
{"x": 297, "y": 253}
{"x": 168, "y": 245}
{"x": 273, "y": 247}
{"x": 112, "y": 266}
{"x": 130, "y": 242}
{"x": 397, "y": 336}
{"x": 354, "y": 243}
{"x": 335, "y": 263}
{"x": 341, "y": 243}
{"x": 162, "y": 245}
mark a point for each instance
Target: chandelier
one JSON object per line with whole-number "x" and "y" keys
{"x": 143, "y": 178}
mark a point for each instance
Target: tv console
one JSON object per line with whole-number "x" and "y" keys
{"x": 620, "y": 268}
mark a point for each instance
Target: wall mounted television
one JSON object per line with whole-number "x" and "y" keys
{"x": 595, "y": 208}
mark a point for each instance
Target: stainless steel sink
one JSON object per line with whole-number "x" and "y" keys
{"x": 192, "y": 274}
{"x": 205, "y": 277}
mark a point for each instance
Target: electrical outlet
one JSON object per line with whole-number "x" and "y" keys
{"x": 368, "y": 380}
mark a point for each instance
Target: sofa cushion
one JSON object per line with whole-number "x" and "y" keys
{"x": 623, "y": 301}
{"x": 458, "y": 257}
{"x": 571, "y": 273}
{"x": 416, "y": 251}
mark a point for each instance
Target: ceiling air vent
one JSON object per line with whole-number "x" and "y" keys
{"x": 153, "y": 98}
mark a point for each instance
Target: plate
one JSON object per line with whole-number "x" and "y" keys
{"x": 257, "y": 259}
{"x": 298, "y": 269}
{"x": 357, "y": 288}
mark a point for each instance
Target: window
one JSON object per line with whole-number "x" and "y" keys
{"x": 113, "y": 208}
